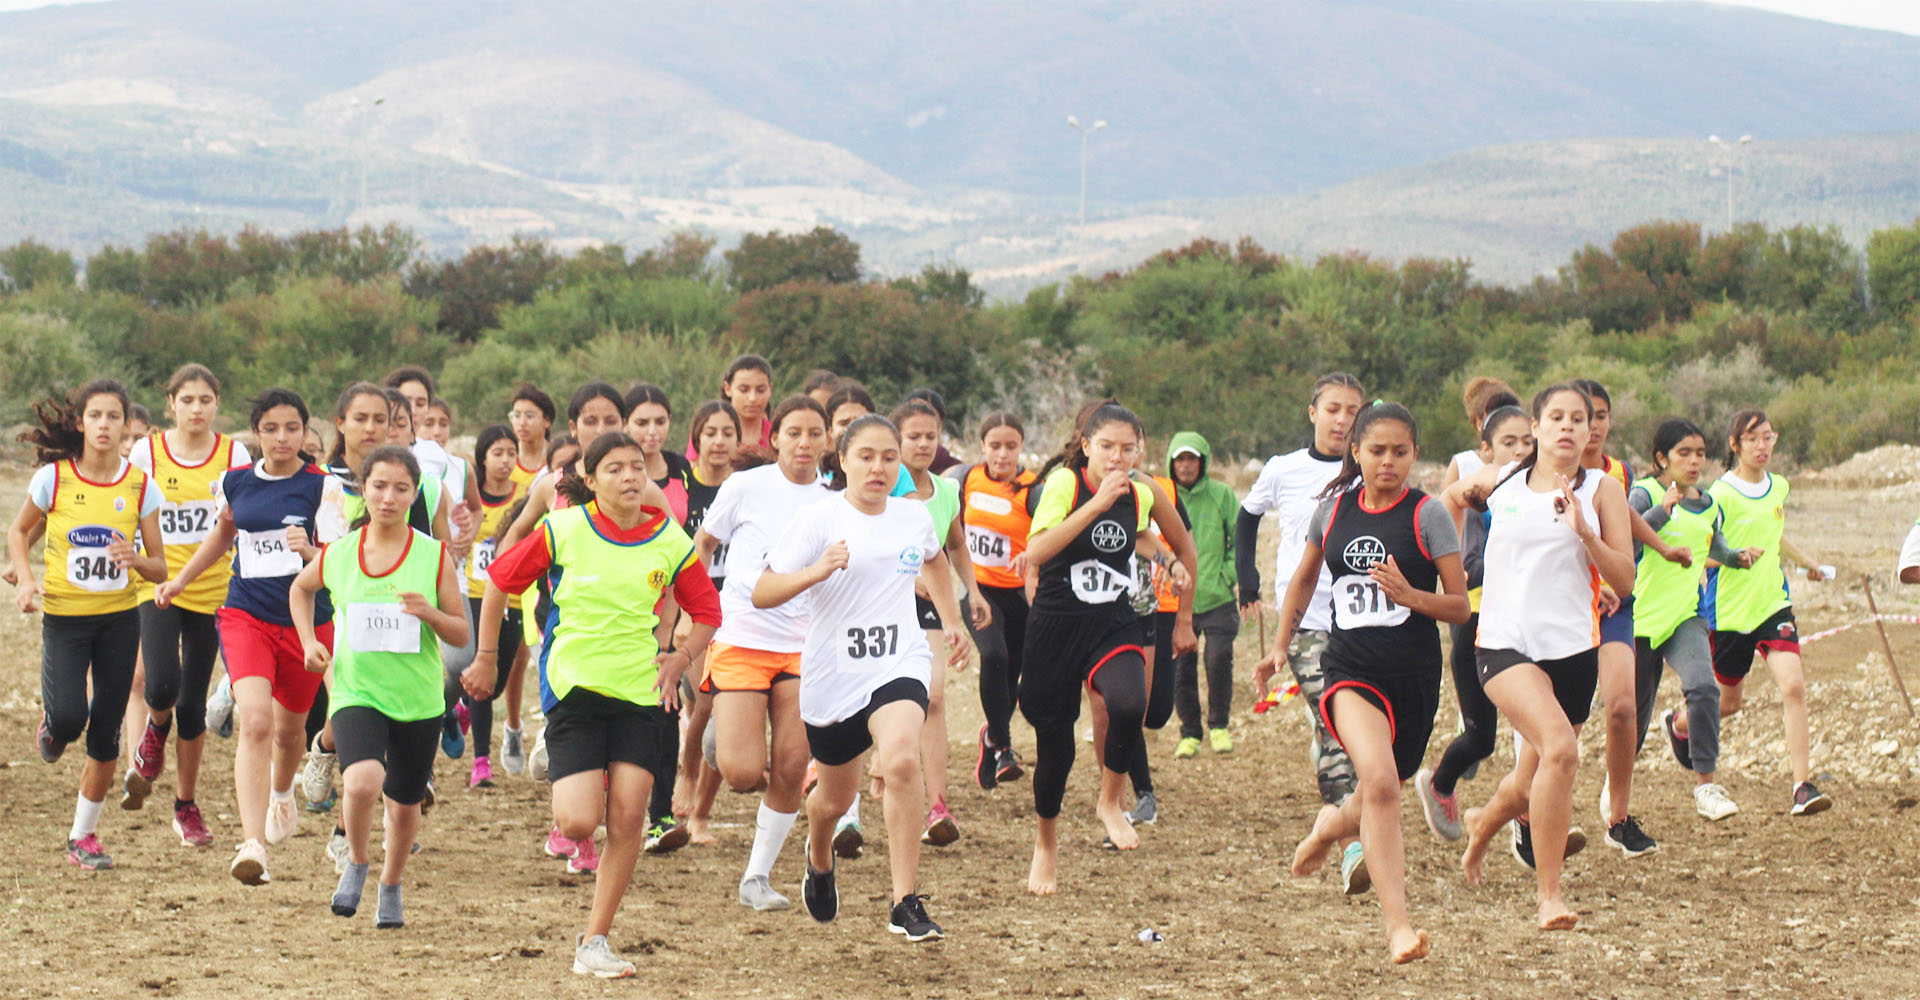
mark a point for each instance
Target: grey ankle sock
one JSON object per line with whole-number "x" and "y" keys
{"x": 388, "y": 913}
{"x": 346, "y": 898}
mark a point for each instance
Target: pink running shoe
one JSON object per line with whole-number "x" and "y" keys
{"x": 192, "y": 829}
{"x": 558, "y": 846}
{"x": 585, "y": 858}
{"x": 151, "y": 756}
{"x": 482, "y": 773}
{"x": 88, "y": 854}
{"x": 465, "y": 716}
{"x": 941, "y": 829}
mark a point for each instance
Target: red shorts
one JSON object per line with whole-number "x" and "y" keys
{"x": 253, "y": 648}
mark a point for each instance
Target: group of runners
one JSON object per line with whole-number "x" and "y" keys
{"x": 774, "y": 607}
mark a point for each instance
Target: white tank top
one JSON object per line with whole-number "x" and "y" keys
{"x": 1541, "y": 588}
{"x": 1468, "y": 462}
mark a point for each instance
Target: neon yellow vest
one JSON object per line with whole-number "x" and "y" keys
{"x": 1666, "y": 593}
{"x": 1743, "y": 600}
{"x": 601, "y": 634}
{"x": 384, "y": 658}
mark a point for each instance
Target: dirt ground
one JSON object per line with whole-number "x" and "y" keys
{"x": 1759, "y": 905}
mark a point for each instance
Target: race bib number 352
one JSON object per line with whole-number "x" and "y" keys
{"x": 186, "y": 523}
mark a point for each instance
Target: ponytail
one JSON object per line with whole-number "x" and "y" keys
{"x": 575, "y": 487}
{"x": 1349, "y": 465}
{"x": 59, "y": 436}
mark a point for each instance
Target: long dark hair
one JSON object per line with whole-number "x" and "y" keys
{"x": 835, "y": 461}
{"x": 647, "y": 392}
{"x": 347, "y": 396}
{"x": 1001, "y": 418}
{"x": 276, "y": 396}
{"x": 489, "y": 436}
{"x": 59, "y": 436}
{"x": 1073, "y": 454}
{"x": 1539, "y": 405}
{"x": 576, "y": 488}
{"x": 849, "y": 392}
{"x": 1668, "y": 436}
{"x": 386, "y": 454}
{"x": 1349, "y": 465}
{"x": 1331, "y": 379}
{"x": 791, "y": 405}
{"x": 744, "y": 362}
{"x": 592, "y": 391}
{"x": 1742, "y": 424}
{"x": 706, "y": 412}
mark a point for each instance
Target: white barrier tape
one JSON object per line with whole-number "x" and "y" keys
{"x": 1830, "y": 633}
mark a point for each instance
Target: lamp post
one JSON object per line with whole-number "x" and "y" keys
{"x": 1073, "y": 121}
{"x": 1731, "y": 148}
{"x": 365, "y": 113}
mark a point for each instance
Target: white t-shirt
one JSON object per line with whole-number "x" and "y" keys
{"x": 1468, "y": 462}
{"x": 1540, "y": 586}
{"x": 433, "y": 458}
{"x": 1910, "y": 552}
{"x": 40, "y": 490}
{"x": 863, "y": 632}
{"x": 750, "y": 513}
{"x": 1288, "y": 485}
{"x": 455, "y": 481}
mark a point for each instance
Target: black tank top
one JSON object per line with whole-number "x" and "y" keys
{"x": 1372, "y": 634}
{"x": 1094, "y": 573}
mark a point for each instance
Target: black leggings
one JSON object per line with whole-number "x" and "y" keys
{"x": 180, "y": 648}
{"x": 1478, "y": 718}
{"x": 1159, "y": 700}
{"x": 481, "y": 709}
{"x": 71, "y": 648}
{"x": 1001, "y": 644}
{"x": 1122, "y": 682}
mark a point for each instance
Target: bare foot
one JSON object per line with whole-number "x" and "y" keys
{"x": 1041, "y": 879}
{"x": 1309, "y": 855}
{"x": 698, "y": 831}
{"x": 1473, "y": 861}
{"x": 1119, "y": 828}
{"x": 1409, "y": 945}
{"x": 1554, "y": 916}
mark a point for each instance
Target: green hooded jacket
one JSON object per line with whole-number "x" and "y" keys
{"x": 1213, "y": 507}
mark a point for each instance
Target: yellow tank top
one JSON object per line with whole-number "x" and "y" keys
{"x": 84, "y": 518}
{"x": 485, "y": 545}
{"x": 187, "y": 516}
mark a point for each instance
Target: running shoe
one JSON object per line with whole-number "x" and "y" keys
{"x": 427, "y": 801}
{"x": 1606, "y": 802}
{"x": 150, "y": 757}
{"x": 453, "y": 742}
{"x": 482, "y": 773}
{"x": 337, "y": 851}
{"x": 1808, "y": 800}
{"x": 1442, "y": 811}
{"x": 593, "y": 956}
{"x": 50, "y": 748}
{"x": 250, "y": 864}
{"x": 465, "y": 716}
{"x": 757, "y": 892}
{"x": 983, "y": 765}
{"x": 316, "y": 776}
{"x": 1523, "y": 842}
{"x": 909, "y": 918}
{"x": 220, "y": 709}
{"x": 941, "y": 829}
{"x": 666, "y": 836}
{"x": 86, "y": 853}
{"x": 1146, "y": 810}
{"x": 1682, "y": 752}
{"x": 847, "y": 839}
{"x": 537, "y": 762}
{"x": 557, "y": 846}
{"x": 1221, "y": 740}
{"x": 1629, "y": 839}
{"x": 1354, "y": 879}
{"x": 134, "y": 790}
{"x": 1006, "y": 765}
{"x": 586, "y": 858}
{"x": 513, "y": 752}
{"x": 282, "y": 819}
{"x": 192, "y": 828}
{"x": 1712, "y": 801}
{"x": 1187, "y": 749}
{"x": 820, "y": 894}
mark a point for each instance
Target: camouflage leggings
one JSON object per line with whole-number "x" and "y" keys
{"x": 1331, "y": 766}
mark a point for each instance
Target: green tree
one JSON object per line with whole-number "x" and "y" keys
{"x": 1893, "y": 269}
{"x": 30, "y": 264}
{"x": 470, "y": 291}
{"x": 763, "y": 260}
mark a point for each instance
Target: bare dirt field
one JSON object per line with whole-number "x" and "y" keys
{"x": 1760, "y": 905}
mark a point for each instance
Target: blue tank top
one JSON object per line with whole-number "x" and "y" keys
{"x": 263, "y": 567}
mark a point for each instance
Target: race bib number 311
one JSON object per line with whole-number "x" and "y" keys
{"x": 1358, "y": 602}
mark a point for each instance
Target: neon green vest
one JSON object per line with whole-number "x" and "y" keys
{"x": 1666, "y": 593}
{"x": 384, "y": 658}
{"x": 1743, "y": 600}
{"x": 600, "y": 636}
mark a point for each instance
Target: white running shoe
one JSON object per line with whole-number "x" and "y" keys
{"x": 337, "y": 852}
{"x": 1713, "y": 802}
{"x": 250, "y": 864}
{"x": 757, "y": 892}
{"x": 537, "y": 761}
{"x": 283, "y": 818}
{"x": 316, "y": 776}
{"x": 1606, "y": 802}
{"x": 220, "y": 709}
{"x": 513, "y": 752}
{"x": 594, "y": 957}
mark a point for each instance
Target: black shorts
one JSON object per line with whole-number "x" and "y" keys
{"x": 837, "y": 743}
{"x": 1409, "y": 701}
{"x": 589, "y": 731}
{"x": 1063, "y": 652}
{"x": 1733, "y": 651}
{"x": 1574, "y": 677}
{"x": 405, "y": 749}
{"x": 929, "y": 615}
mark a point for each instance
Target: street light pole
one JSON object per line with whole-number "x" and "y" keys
{"x": 1073, "y": 121}
{"x": 1730, "y": 147}
{"x": 366, "y": 127}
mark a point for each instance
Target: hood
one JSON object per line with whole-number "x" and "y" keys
{"x": 1184, "y": 441}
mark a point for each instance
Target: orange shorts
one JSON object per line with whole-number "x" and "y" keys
{"x": 736, "y": 668}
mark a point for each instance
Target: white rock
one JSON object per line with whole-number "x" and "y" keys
{"x": 1885, "y": 748}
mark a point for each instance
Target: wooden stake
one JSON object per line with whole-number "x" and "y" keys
{"x": 1866, "y": 584}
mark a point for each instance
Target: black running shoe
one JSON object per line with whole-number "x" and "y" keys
{"x": 1631, "y": 841}
{"x": 1808, "y": 800}
{"x": 1522, "y": 842}
{"x": 1682, "y": 750}
{"x": 821, "y": 895}
{"x": 983, "y": 767}
{"x": 910, "y": 919}
{"x": 50, "y": 749}
{"x": 1006, "y": 765}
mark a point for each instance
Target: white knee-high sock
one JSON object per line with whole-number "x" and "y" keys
{"x": 770, "y": 831}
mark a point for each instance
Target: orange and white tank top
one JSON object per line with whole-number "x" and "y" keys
{"x": 995, "y": 517}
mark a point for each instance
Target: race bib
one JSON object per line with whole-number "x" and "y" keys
{"x": 382, "y": 628}
{"x": 187, "y": 523}
{"x": 988, "y": 547}
{"x": 482, "y": 558}
{"x": 1358, "y": 602}
{"x": 88, "y": 565}
{"x": 1095, "y": 582}
{"x": 265, "y": 555}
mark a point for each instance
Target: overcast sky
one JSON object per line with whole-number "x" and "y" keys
{"x": 1895, "y": 15}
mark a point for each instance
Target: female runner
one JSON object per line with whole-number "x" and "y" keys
{"x": 994, "y": 514}
{"x": 499, "y": 492}
{"x": 716, "y": 430}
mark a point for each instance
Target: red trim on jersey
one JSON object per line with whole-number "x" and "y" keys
{"x": 1326, "y": 718}
{"x": 1104, "y": 660}
{"x": 1419, "y": 538}
{"x": 360, "y": 555}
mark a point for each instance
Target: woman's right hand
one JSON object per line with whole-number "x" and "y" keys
{"x": 25, "y": 594}
{"x": 318, "y": 656}
{"x": 1112, "y": 488}
{"x": 165, "y": 591}
{"x": 479, "y": 677}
